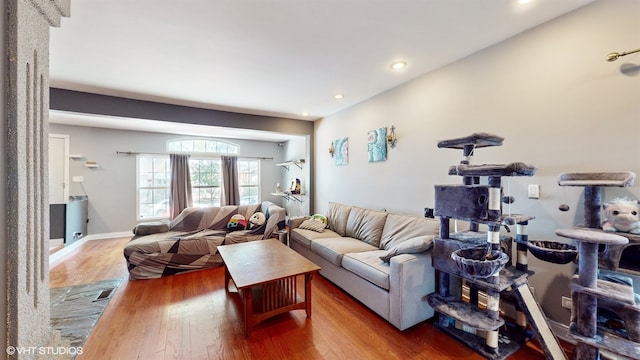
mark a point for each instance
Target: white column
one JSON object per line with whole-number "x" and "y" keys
{"x": 25, "y": 196}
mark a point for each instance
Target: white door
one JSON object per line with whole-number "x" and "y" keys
{"x": 58, "y": 168}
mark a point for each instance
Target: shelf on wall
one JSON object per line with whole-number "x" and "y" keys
{"x": 289, "y": 196}
{"x": 287, "y": 164}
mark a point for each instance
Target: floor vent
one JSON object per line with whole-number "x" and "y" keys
{"x": 104, "y": 294}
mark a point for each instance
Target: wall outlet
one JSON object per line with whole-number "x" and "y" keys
{"x": 567, "y": 303}
{"x": 77, "y": 178}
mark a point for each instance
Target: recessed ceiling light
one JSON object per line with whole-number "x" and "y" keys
{"x": 339, "y": 96}
{"x": 524, "y": 1}
{"x": 397, "y": 65}
{"x": 305, "y": 114}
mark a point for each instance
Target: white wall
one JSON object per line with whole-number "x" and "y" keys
{"x": 549, "y": 92}
{"x": 297, "y": 149}
{"x": 112, "y": 186}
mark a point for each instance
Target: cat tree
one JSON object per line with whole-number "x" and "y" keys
{"x": 598, "y": 284}
{"x": 483, "y": 259}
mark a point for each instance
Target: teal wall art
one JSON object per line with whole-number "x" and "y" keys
{"x": 377, "y": 144}
{"x": 342, "y": 151}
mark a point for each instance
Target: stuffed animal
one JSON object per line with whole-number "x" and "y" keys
{"x": 256, "y": 220}
{"x": 237, "y": 222}
{"x": 319, "y": 217}
{"x": 622, "y": 215}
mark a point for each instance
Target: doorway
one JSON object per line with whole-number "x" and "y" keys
{"x": 58, "y": 187}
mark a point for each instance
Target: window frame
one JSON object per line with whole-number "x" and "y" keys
{"x": 200, "y": 156}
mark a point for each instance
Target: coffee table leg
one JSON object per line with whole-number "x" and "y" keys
{"x": 248, "y": 310}
{"x": 307, "y": 292}
{"x": 227, "y": 277}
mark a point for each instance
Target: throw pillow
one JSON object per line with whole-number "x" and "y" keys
{"x": 319, "y": 217}
{"x": 256, "y": 220}
{"x": 237, "y": 222}
{"x": 314, "y": 225}
{"x": 417, "y": 244}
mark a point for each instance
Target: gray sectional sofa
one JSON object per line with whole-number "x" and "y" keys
{"x": 352, "y": 251}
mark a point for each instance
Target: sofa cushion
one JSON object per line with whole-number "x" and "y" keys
{"x": 248, "y": 210}
{"x": 195, "y": 218}
{"x": 305, "y": 237}
{"x": 366, "y": 225}
{"x": 241, "y": 236}
{"x": 368, "y": 266}
{"x": 332, "y": 249}
{"x": 221, "y": 216}
{"x": 337, "y": 215}
{"x": 399, "y": 228}
{"x": 310, "y": 224}
{"x": 417, "y": 244}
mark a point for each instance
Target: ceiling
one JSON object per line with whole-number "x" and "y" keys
{"x": 274, "y": 57}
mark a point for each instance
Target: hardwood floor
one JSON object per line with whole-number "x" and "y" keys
{"x": 189, "y": 316}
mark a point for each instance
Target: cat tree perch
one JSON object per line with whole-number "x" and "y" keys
{"x": 593, "y": 289}
{"x": 483, "y": 259}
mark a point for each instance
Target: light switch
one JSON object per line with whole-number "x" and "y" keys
{"x": 533, "y": 191}
{"x": 77, "y": 178}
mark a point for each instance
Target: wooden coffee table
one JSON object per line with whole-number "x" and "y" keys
{"x": 265, "y": 274}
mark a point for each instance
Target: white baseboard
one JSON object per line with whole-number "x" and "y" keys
{"x": 66, "y": 250}
{"x": 57, "y": 256}
{"x": 109, "y": 235}
{"x": 56, "y": 242}
{"x": 561, "y": 331}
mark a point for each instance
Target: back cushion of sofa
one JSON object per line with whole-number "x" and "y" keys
{"x": 221, "y": 217}
{"x": 337, "y": 215}
{"x": 399, "y": 228}
{"x": 192, "y": 218}
{"x": 248, "y": 210}
{"x": 366, "y": 225}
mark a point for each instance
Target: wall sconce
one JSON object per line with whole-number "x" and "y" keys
{"x": 391, "y": 137}
{"x": 614, "y": 55}
{"x": 332, "y": 150}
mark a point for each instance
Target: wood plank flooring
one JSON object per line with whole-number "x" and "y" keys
{"x": 189, "y": 316}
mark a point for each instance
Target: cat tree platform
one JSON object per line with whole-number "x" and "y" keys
{"x": 590, "y": 293}
{"x": 476, "y": 140}
{"x": 619, "y": 179}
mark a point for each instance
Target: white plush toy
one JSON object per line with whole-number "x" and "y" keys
{"x": 622, "y": 215}
{"x": 256, "y": 220}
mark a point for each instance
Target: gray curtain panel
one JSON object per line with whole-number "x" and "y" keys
{"x": 230, "y": 188}
{"x": 180, "y": 195}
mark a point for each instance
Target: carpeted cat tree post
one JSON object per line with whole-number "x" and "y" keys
{"x": 592, "y": 289}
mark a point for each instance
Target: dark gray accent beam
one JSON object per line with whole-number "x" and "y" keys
{"x": 88, "y": 103}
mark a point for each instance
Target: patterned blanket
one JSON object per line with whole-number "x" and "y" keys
{"x": 192, "y": 240}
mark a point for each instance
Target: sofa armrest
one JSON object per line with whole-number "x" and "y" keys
{"x": 152, "y": 227}
{"x": 295, "y": 223}
{"x": 411, "y": 277}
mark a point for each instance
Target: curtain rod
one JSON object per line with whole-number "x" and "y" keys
{"x": 152, "y": 153}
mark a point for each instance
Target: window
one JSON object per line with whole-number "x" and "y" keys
{"x": 153, "y": 186}
{"x": 206, "y": 178}
{"x": 249, "y": 181}
{"x": 201, "y": 146}
{"x": 154, "y": 176}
